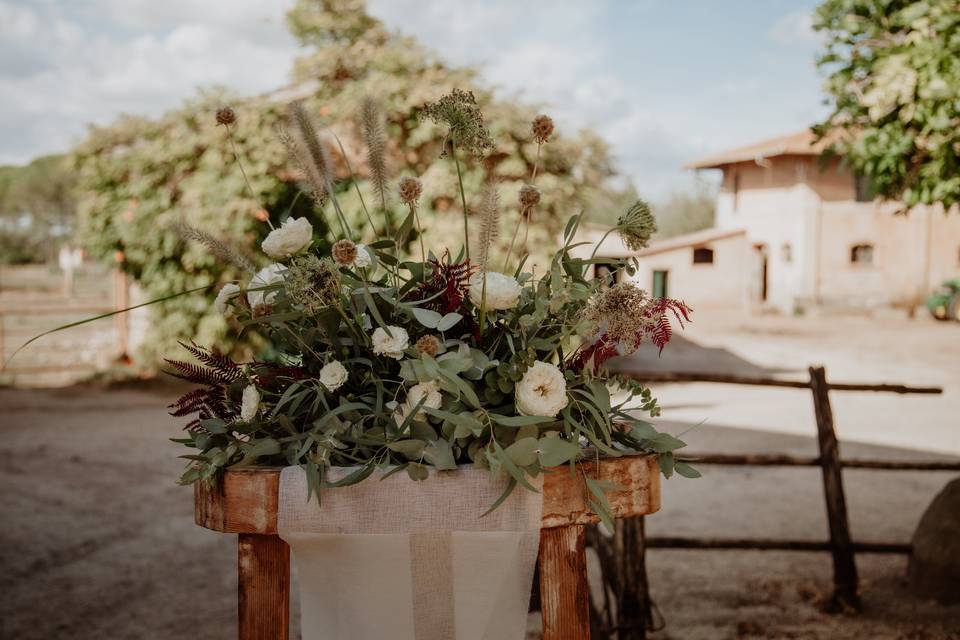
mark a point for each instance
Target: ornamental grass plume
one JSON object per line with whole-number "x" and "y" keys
{"x": 489, "y": 223}
{"x": 371, "y": 122}
{"x": 218, "y": 247}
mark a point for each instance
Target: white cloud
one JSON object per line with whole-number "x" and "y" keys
{"x": 67, "y": 69}
{"x": 794, "y": 28}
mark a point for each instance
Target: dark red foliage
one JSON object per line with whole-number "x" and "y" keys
{"x": 658, "y": 331}
{"x": 447, "y": 287}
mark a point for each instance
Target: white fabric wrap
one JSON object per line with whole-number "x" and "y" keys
{"x": 408, "y": 560}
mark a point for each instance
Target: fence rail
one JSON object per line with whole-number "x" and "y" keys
{"x": 634, "y": 617}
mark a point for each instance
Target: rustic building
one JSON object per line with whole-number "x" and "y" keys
{"x": 796, "y": 229}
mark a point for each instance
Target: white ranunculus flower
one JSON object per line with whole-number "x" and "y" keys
{"x": 503, "y": 291}
{"x": 429, "y": 392}
{"x": 542, "y": 391}
{"x": 268, "y": 275}
{"x": 391, "y": 344}
{"x": 292, "y": 237}
{"x": 333, "y": 375}
{"x": 363, "y": 257}
{"x": 250, "y": 404}
{"x": 227, "y": 293}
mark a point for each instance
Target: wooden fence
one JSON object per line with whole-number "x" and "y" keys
{"x": 624, "y": 557}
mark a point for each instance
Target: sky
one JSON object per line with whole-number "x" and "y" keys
{"x": 663, "y": 82}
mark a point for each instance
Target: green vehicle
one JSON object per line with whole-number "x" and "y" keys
{"x": 944, "y": 303}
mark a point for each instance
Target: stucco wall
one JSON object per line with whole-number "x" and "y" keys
{"x": 718, "y": 285}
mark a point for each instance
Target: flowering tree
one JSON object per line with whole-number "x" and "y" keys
{"x": 140, "y": 177}
{"x": 894, "y": 84}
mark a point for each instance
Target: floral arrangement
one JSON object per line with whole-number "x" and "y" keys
{"x": 389, "y": 355}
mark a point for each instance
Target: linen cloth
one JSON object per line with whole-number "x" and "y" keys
{"x": 412, "y": 560}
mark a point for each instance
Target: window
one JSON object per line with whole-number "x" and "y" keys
{"x": 863, "y": 189}
{"x": 786, "y": 252}
{"x": 659, "y": 284}
{"x": 702, "y": 255}
{"x": 861, "y": 254}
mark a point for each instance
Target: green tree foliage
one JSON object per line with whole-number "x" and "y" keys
{"x": 685, "y": 211}
{"x": 37, "y": 207}
{"x": 139, "y": 176}
{"x": 894, "y": 84}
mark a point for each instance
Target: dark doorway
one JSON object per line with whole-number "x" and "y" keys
{"x": 764, "y": 269}
{"x": 660, "y": 284}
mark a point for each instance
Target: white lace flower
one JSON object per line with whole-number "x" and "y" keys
{"x": 250, "y": 404}
{"x": 391, "y": 344}
{"x": 227, "y": 293}
{"x": 503, "y": 291}
{"x": 429, "y": 392}
{"x": 333, "y": 375}
{"x": 292, "y": 237}
{"x": 363, "y": 257}
{"x": 542, "y": 391}
{"x": 265, "y": 277}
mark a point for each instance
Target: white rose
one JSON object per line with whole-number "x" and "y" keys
{"x": 250, "y": 404}
{"x": 503, "y": 291}
{"x": 391, "y": 344}
{"x": 363, "y": 257}
{"x": 429, "y": 392}
{"x": 227, "y": 293}
{"x": 291, "y": 238}
{"x": 333, "y": 375}
{"x": 265, "y": 277}
{"x": 542, "y": 391}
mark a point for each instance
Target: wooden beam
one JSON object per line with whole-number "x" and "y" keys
{"x": 785, "y": 460}
{"x": 246, "y": 499}
{"x": 766, "y": 544}
{"x": 564, "y": 591}
{"x": 263, "y": 587}
{"x": 667, "y": 377}
{"x": 845, "y": 580}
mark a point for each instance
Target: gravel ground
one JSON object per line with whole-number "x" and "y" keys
{"x": 96, "y": 540}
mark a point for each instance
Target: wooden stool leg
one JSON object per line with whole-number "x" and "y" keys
{"x": 264, "y": 587}
{"x": 564, "y": 592}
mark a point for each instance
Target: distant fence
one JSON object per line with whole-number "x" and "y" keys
{"x": 634, "y": 607}
{"x": 61, "y": 307}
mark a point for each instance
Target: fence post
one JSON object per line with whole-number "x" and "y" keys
{"x": 634, "y": 615}
{"x": 845, "y": 589}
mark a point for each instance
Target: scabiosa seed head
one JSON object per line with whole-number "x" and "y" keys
{"x": 226, "y": 116}
{"x": 410, "y": 189}
{"x": 529, "y": 196}
{"x": 541, "y": 127}
{"x": 637, "y": 225}
{"x": 429, "y": 345}
{"x": 344, "y": 252}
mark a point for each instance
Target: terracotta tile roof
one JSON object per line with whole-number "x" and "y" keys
{"x": 802, "y": 143}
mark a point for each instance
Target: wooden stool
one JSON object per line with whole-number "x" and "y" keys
{"x": 246, "y": 501}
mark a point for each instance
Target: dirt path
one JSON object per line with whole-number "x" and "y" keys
{"x": 99, "y": 543}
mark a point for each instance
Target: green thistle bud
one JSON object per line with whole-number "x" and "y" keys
{"x": 637, "y": 226}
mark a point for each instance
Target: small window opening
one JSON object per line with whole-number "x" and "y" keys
{"x": 786, "y": 251}
{"x": 861, "y": 254}
{"x": 702, "y": 255}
